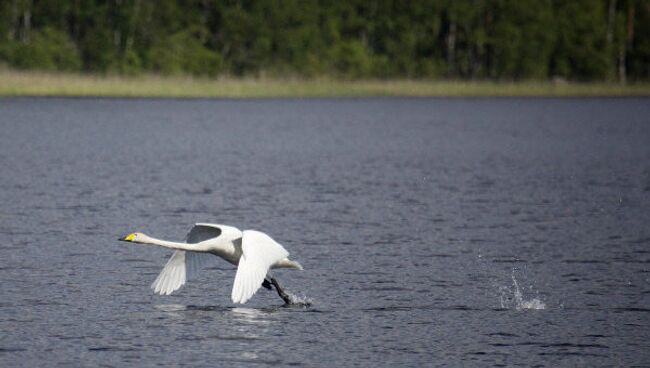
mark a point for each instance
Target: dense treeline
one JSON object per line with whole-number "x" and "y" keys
{"x": 489, "y": 39}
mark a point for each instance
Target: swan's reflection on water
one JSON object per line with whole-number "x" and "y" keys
{"x": 252, "y": 315}
{"x": 242, "y": 314}
{"x": 173, "y": 311}
{"x": 241, "y": 333}
{"x": 240, "y": 319}
{"x": 171, "y": 307}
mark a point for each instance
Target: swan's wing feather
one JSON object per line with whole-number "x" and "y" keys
{"x": 182, "y": 266}
{"x": 202, "y": 232}
{"x": 259, "y": 252}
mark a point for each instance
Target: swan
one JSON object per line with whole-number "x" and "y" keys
{"x": 253, "y": 252}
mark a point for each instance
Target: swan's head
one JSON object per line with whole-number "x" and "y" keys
{"x": 134, "y": 238}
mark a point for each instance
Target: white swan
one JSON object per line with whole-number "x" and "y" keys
{"x": 253, "y": 252}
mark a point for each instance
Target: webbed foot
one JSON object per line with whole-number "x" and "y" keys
{"x": 267, "y": 284}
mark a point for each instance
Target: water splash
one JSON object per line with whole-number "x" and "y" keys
{"x": 301, "y": 301}
{"x": 517, "y": 300}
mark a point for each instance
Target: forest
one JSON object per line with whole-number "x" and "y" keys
{"x": 498, "y": 40}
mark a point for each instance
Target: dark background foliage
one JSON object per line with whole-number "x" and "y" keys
{"x": 462, "y": 39}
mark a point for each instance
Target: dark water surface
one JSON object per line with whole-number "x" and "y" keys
{"x": 432, "y": 231}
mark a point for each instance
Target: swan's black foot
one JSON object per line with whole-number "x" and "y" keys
{"x": 267, "y": 284}
{"x": 280, "y": 291}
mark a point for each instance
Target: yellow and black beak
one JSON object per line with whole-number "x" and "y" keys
{"x": 127, "y": 238}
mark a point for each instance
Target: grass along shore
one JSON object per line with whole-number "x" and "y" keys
{"x": 20, "y": 83}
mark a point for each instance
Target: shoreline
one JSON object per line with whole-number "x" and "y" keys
{"x": 43, "y": 84}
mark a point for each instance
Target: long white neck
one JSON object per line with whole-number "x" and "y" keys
{"x": 146, "y": 239}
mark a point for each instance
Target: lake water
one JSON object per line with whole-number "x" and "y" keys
{"x": 432, "y": 231}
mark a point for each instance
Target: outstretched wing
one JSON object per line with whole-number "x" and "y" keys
{"x": 182, "y": 266}
{"x": 202, "y": 232}
{"x": 259, "y": 252}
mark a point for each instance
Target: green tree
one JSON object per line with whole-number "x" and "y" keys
{"x": 521, "y": 39}
{"x": 580, "y": 50}
{"x": 497, "y": 39}
{"x": 47, "y": 49}
{"x": 637, "y": 39}
{"x": 182, "y": 53}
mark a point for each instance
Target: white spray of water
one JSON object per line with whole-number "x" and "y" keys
{"x": 517, "y": 301}
{"x": 299, "y": 300}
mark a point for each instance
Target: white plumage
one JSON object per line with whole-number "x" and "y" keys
{"x": 253, "y": 252}
{"x": 181, "y": 267}
{"x": 259, "y": 254}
